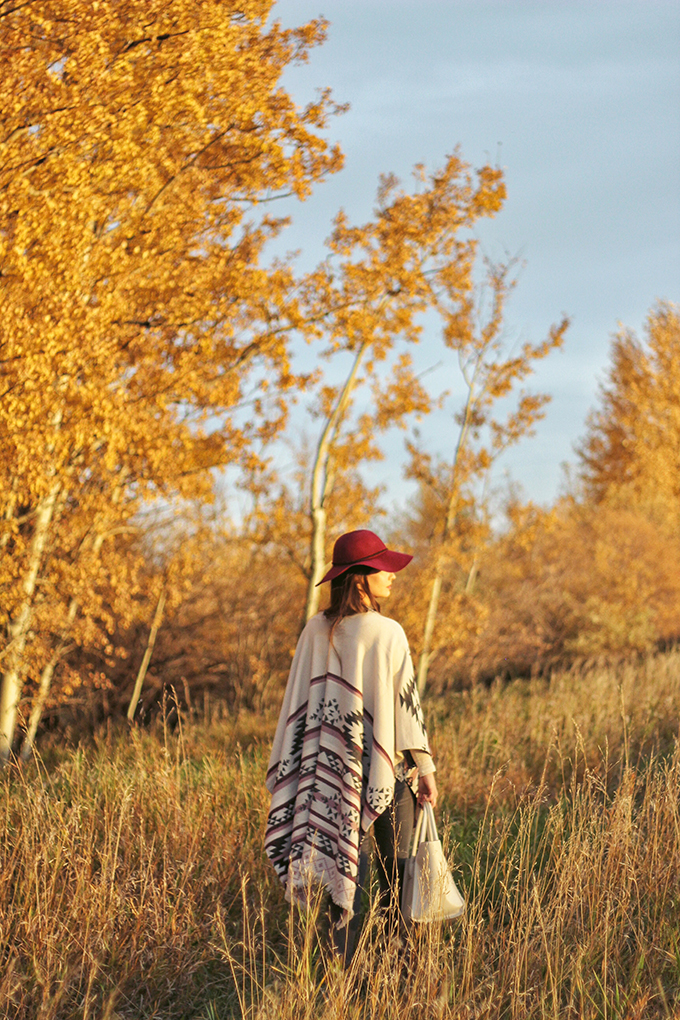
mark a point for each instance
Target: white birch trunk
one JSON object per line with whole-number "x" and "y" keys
{"x": 46, "y": 683}
{"x": 318, "y": 560}
{"x": 426, "y": 653}
{"x": 8, "y": 515}
{"x": 12, "y": 681}
{"x": 49, "y": 668}
{"x": 322, "y": 484}
{"x": 157, "y": 617}
{"x": 430, "y": 620}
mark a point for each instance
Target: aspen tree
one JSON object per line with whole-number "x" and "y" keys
{"x": 370, "y": 295}
{"x": 632, "y": 445}
{"x": 89, "y": 586}
{"x": 598, "y": 573}
{"x": 19, "y": 627}
{"x": 489, "y": 373}
{"x": 137, "y": 143}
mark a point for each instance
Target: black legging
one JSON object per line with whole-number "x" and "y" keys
{"x": 392, "y": 831}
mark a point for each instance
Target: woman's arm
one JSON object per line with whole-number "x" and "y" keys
{"x": 427, "y": 784}
{"x": 427, "y": 790}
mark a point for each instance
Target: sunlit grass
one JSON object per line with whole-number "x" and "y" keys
{"x": 133, "y": 883}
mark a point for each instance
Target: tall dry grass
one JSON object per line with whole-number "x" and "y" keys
{"x": 132, "y": 880}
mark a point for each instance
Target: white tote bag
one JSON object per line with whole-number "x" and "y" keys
{"x": 429, "y": 892}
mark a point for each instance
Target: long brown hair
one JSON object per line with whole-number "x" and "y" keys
{"x": 347, "y": 596}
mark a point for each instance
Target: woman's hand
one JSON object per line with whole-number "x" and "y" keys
{"x": 427, "y": 790}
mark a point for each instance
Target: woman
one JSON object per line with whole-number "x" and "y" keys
{"x": 349, "y": 743}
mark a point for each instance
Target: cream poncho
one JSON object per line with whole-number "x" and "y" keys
{"x": 349, "y": 712}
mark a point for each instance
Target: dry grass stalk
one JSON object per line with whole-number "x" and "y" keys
{"x": 133, "y": 885}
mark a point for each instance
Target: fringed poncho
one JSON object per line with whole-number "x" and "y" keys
{"x": 350, "y": 711}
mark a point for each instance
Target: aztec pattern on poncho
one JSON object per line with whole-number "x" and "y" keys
{"x": 349, "y": 712}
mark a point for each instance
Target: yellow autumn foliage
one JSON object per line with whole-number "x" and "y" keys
{"x": 138, "y": 143}
{"x": 598, "y": 574}
{"x": 631, "y": 453}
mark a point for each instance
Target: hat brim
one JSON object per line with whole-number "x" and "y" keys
{"x": 388, "y": 560}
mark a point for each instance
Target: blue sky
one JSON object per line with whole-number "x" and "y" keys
{"x": 580, "y": 104}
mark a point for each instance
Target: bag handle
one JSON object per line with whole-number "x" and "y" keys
{"x": 425, "y": 829}
{"x": 432, "y": 835}
{"x": 419, "y": 834}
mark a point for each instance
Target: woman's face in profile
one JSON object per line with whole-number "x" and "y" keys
{"x": 380, "y": 584}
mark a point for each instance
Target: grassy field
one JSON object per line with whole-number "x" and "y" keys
{"x": 133, "y": 884}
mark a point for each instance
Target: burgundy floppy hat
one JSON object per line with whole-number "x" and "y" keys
{"x": 364, "y": 548}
